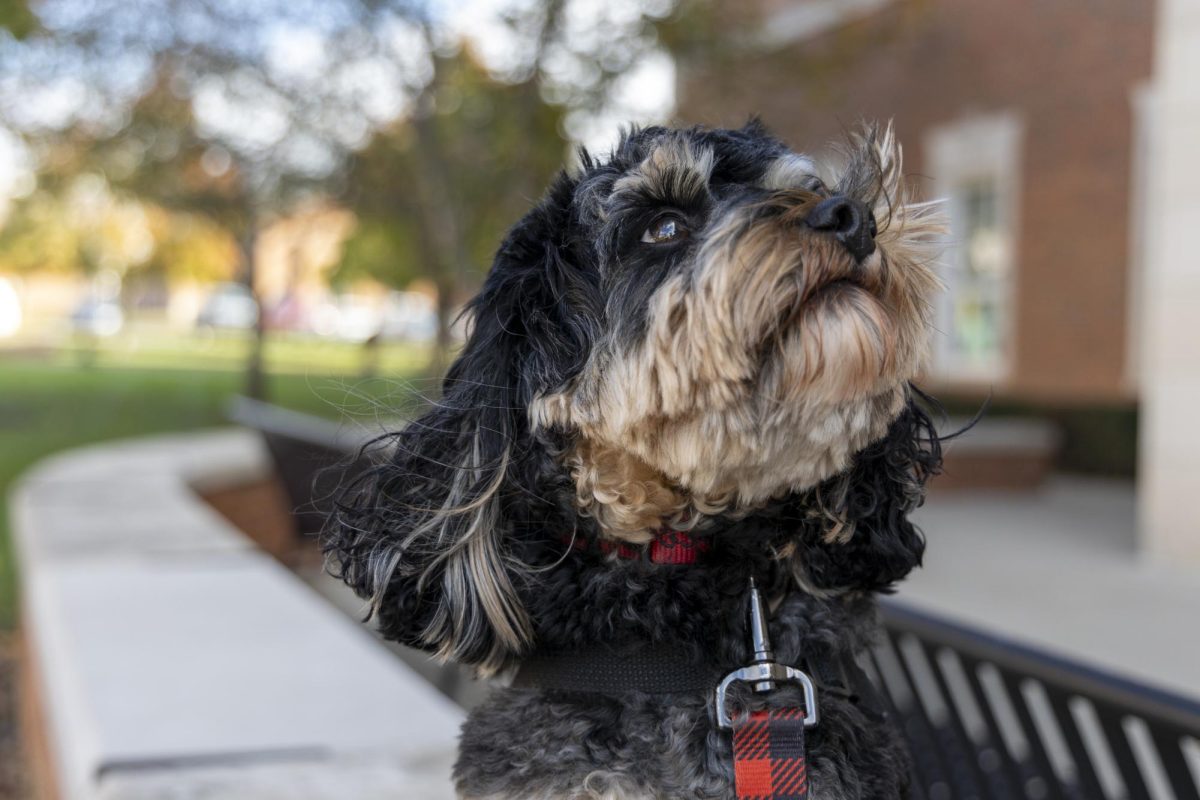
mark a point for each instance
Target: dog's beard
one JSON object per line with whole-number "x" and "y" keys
{"x": 764, "y": 367}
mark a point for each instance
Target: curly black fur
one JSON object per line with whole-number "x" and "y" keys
{"x": 464, "y": 534}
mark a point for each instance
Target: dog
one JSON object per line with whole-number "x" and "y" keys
{"x": 690, "y": 371}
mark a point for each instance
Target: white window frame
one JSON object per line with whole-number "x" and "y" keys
{"x": 967, "y": 151}
{"x": 1142, "y": 209}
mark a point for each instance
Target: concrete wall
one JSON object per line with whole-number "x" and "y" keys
{"x": 1170, "y": 425}
{"x": 174, "y": 659}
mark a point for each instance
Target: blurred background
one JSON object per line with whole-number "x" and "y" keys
{"x": 289, "y": 201}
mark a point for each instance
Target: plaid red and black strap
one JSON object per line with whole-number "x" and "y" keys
{"x": 768, "y": 756}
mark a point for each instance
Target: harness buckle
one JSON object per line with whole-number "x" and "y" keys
{"x": 765, "y": 674}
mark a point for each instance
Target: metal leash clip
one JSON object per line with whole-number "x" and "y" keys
{"x": 764, "y": 673}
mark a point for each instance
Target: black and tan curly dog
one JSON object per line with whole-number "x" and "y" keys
{"x": 690, "y": 366}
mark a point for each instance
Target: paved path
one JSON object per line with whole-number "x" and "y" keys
{"x": 1058, "y": 568}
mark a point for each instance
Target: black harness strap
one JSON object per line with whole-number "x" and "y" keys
{"x": 600, "y": 669}
{"x": 673, "y": 669}
{"x": 769, "y": 756}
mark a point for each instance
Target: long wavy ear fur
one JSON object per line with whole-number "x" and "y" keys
{"x": 424, "y": 535}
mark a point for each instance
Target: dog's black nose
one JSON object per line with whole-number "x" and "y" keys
{"x": 849, "y": 220}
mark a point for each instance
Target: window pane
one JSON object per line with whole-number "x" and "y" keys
{"x": 978, "y": 287}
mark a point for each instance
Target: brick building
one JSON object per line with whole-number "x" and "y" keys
{"x": 1030, "y": 118}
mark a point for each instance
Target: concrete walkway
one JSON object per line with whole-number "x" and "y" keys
{"x": 1058, "y": 569}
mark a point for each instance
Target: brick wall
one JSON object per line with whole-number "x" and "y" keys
{"x": 1066, "y": 68}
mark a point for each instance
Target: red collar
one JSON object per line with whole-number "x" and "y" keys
{"x": 667, "y": 547}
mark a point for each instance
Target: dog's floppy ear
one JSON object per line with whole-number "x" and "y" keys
{"x": 872, "y": 543}
{"x": 755, "y": 127}
{"x": 422, "y": 534}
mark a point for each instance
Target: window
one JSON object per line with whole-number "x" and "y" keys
{"x": 975, "y": 167}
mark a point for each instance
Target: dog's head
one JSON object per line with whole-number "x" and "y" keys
{"x": 700, "y": 324}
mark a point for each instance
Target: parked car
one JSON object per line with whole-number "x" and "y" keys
{"x": 289, "y": 313}
{"x": 231, "y": 306}
{"x": 409, "y": 316}
{"x": 358, "y": 318}
{"x": 347, "y": 317}
{"x": 98, "y": 317}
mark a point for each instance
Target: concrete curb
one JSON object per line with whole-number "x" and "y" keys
{"x": 179, "y": 661}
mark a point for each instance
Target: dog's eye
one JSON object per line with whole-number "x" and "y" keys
{"x": 813, "y": 184}
{"x": 667, "y": 228}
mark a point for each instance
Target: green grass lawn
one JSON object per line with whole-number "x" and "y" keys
{"x": 51, "y": 401}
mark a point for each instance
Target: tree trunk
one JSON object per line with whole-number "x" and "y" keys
{"x": 440, "y": 359}
{"x": 440, "y": 216}
{"x": 256, "y": 384}
{"x": 441, "y": 233}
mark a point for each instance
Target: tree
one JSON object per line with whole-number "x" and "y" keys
{"x": 16, "y": 18}
{"x": 160, "y": 147}
{"x": 231, "y": 110}
{"x": 193, "y": 174}
{"x": 435, "y": 189}
{"x": 435, "y": 193}
{"x": 188, "y": 247}
{"x": 84, "y": 228}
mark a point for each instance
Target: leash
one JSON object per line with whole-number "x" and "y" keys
{"x": 768, "y": 746}
{"x": 768, "y": 756}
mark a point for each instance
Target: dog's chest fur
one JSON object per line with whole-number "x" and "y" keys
{"x": 531, "y": 743}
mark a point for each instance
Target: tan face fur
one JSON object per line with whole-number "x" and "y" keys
{"x": 768, "y": 360}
